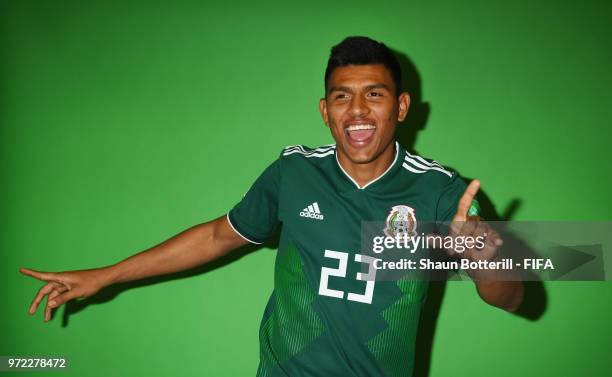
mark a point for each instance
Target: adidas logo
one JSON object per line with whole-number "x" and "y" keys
{"x": 312, "y": 211}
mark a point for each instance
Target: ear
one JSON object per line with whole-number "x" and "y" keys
{"x": 323, "y": 111}
{"x": 404, "y": 104}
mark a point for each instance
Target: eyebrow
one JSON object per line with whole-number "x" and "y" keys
{"x": 367, "y": 88}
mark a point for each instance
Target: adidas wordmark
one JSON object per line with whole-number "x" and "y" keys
{"x": 312, "y": 211}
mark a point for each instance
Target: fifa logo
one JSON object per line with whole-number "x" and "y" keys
{"x": 401, "y": 221}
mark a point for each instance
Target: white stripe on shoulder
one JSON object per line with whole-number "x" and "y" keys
{"x": 323, "y": 154}
{"x": 323, "y": 151}
{"x": 410, "y": 168}
{"x": 311, "y": 154}
{"x": 287, "y": 153}
{"x": 415, "y": 166}
{"x": 294, "y": 147}
{"x": 300, "y": 148}
{"x": 424, "y": 161}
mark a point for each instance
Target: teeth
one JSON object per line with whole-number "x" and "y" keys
{"x": 357, "y": 127}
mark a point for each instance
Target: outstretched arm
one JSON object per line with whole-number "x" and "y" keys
{"x": 195, "y": 246}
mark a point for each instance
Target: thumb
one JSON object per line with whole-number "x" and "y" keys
{"x": 63, "y": 298}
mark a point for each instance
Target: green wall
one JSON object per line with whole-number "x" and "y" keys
{"x": 122, "y": 123}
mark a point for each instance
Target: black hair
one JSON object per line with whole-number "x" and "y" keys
{"x": 362, "y": 51}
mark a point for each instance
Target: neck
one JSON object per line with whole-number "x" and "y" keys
{"x": 365, "y": 173}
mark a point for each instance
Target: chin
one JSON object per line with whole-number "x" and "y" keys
{"x": 360, "y": 155}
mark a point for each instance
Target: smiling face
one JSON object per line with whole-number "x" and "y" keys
{"x": 361, "y": 109}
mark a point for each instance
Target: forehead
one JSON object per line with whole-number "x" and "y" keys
{"x": 356, "y": 76}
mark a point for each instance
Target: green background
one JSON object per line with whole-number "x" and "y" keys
{"x": 124, "y": 122}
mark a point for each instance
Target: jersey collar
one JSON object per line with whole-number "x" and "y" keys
{"x": 384, "y": 174}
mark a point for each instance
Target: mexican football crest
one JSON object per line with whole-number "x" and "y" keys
{"x": 401, "y": 220}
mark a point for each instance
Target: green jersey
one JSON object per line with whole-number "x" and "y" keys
{"x": 324, "y": 318}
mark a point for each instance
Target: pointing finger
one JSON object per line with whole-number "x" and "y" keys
{"x": 40, "y": 275}
{"x": 466, "y": 200}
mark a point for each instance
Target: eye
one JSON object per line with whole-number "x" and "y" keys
{"x": 341, "y": 96}
{"x": 375, "y": 94}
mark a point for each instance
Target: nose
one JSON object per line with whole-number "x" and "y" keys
{"x": 358, "y": 107}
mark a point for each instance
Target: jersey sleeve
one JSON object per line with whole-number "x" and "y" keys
{"x": 255, "y": 217}
{"x": 449, "y": 198}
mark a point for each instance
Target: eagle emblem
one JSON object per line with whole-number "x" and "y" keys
{"x": 401, "y": 220}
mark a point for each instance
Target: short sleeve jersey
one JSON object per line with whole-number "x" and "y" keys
{"x": 322, "y": 319}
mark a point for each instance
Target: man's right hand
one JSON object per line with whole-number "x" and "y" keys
{"x": 62, "y": 287}
{"x": 193, "y": 247}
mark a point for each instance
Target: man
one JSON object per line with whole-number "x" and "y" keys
{"x": 323, "y": 317}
